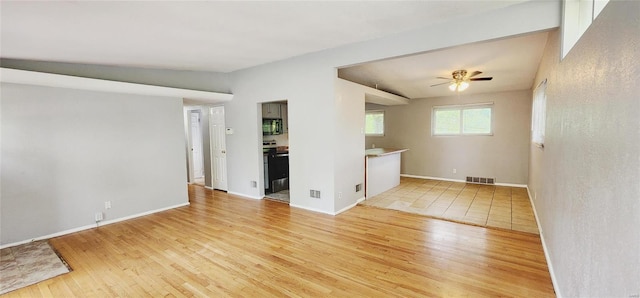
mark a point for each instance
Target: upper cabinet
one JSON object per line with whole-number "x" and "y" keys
{"x": 285, "y": 118}
{"x": 271, "y": 111}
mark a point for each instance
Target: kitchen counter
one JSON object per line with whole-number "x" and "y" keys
{"x": 382, "y": 151}
{"x": 382, "y": 170}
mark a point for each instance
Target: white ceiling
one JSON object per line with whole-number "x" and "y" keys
{"x": 512, "y": 62}
{"x": 219, "y": 36}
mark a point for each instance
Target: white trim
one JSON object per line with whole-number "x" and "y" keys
{"x": 311, "y": 209}
{"x": 463, "y": 181}
{"x": 349, "y": 207}
{"x": 244, "y": 196}
{"x": 432, "y": 178}
{"x": 554, "y": 281}
{"x": 208, "y": 187}
{"x": 102, "y": 223}
{"x": 16, "y": 76}
{"x": 511, "y": 185}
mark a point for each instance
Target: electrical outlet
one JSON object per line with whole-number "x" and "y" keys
{"x": 358, "y": 187}
{"x": 254, "y": 184}
{"x": 455, "y": 171}
{"x": 339, "y": 195}
{"x": 99, "y": 216}
{"x": 107, "y": 205}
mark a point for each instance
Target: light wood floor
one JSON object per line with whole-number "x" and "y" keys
{"x": 483, "y": 205}
{"x": 222, "y": 245}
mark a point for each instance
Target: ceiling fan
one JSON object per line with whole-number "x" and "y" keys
{"x": 460, "y": 80}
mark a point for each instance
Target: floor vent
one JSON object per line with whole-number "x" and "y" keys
{"x": 481, "y": 180}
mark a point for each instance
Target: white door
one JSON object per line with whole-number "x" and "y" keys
{"x": 196, "y": 145}
{"x": 218, "y": 149}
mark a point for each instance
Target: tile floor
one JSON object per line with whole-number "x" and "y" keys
{"x": 281, "y": 196}
{"x": 483, "y": 205}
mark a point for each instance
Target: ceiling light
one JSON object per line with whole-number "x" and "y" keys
{"x": 458, "y": 86}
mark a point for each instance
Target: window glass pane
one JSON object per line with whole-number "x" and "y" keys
{"x": 446, "y": 122}
{"x": 476, "y": 121}
{"x": 374, "y": 123}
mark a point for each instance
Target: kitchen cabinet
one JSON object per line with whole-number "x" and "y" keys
{"x": 271, "y": 111}
{"x": 285, "y": 118}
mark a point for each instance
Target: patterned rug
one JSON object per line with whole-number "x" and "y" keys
{"x": 29, "y": 263}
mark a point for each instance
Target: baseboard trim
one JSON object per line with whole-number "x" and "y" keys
{"x": 349, "y": 207}
{"x": 431, "y": 178}
{"x": 91, "y": 226}
{"x": 310, "y": 209}
{"x": 462, "y": 181}
{"x": 554, "y": 281}
{"x": 244, "y": 195}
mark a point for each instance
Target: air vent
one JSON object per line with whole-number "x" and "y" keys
{"x": 481, "y": 180}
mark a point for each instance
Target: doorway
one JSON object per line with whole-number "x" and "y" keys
{"x": 275, "y": 149}
{"x": 196, "y": 172}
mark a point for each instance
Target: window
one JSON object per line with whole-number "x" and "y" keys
{"x": 473, "y": 119}
{"x": 539, "y": 114}
{"x": 374, "y": 123}
{"x": 577, "y": 17}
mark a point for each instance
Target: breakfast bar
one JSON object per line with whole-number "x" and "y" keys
{"x": 382, "y": 170}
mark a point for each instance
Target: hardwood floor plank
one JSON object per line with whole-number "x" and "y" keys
{"x": 226, "y": 246}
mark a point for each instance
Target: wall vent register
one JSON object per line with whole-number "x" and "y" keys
{"x": 480, "y": 180}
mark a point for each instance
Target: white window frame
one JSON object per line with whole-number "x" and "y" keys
{"x": 539, "y": 114}
{"x": 577, "y": 16}
{"x": 383, "y": 123}
{"x": 461, "y": 108}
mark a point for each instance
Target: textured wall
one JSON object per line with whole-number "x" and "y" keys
{"x": 65, "y": 152}
{"x": 504, "y": 155}
{"x": 586, "y": 181}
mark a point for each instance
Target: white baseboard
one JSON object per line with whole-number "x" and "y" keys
{"x": 91, "y": 226}
{"x": 349, "y": 207}
{"x": 458, "y": 180}
{"x": 431, "y": 178}
{"x": 244, "y": 195}
{"x": 310, "y": 209}
{"x": 544, "y": 246}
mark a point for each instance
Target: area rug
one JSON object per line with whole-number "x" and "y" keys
{"x": 29, "y": 263}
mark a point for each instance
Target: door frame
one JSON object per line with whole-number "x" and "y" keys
{"x": 190, "y": 159}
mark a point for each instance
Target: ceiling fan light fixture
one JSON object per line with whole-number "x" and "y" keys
{"x": 458, "y": 86}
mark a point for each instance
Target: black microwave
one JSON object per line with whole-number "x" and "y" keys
{"x": 271, "y": 127}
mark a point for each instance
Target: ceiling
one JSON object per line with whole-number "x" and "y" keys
{"x": 225, "y": 36}
{"x": 512, "y": 62}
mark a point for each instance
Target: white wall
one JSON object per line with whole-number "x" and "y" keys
{"x": 504, "y": 155}
{"x": 308, "y": 83}
{"x": 585, "y": 183}
{"x": 65, "y": 152}
{"x": 349, "y": 154}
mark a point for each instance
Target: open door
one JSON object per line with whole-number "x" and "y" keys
{"x": 218, "y": 149}
{"x": 195, "y": 147}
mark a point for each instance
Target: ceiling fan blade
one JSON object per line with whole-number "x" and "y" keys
{"x": 475, "y": 73}
{"x": 482, "y": 79}
{"x": 443, "y": 78}
{"x": 440, "y": 84}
